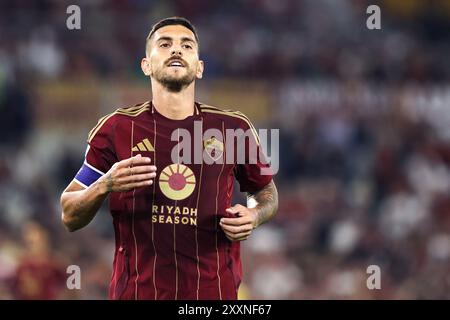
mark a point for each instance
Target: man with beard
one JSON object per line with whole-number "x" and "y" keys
{"x": 177, "y": 234}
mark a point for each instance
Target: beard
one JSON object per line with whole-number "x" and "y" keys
{"x": 174, "y": 83}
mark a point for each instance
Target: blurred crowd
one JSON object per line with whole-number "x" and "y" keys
{"x": 364, "y": 140}
{"x": 239, "y": 38}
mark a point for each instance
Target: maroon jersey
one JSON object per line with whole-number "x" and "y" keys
{"x": 38, "y": 279}
{"x": 169, "y": 244}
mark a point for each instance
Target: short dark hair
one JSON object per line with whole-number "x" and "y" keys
{"x": 173, "y": 21}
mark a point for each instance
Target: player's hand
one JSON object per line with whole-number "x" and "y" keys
{"x": 239, "y": 228}
{"x": 128, "y": 174}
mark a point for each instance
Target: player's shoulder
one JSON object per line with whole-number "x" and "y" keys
{"x": 234, "y": 117}
{"x": 120, "y": 114}
{"x": 133, "y": 110}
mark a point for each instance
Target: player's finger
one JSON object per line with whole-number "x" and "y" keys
{"x": 131, "y": 171}
{"x": 241, "y": 235}
{"x": 229, "y": 236}
{"x": 134, "y": 185}
{"x": 136, "y": 178}
{"x": 129, "y": 161}
{"x": 139, "y": 169}
{"x": 235, "y": 221}
{"x": 235, "y": 230}
{"x": 235, "y": 209}
{"x": 231, "y": 210}
{"x": 133, "y": 161}
{"x": 234, "y": 238}
{"x": 228, "y": 233}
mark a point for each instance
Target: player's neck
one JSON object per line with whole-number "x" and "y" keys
{"x": 174, "y": 105}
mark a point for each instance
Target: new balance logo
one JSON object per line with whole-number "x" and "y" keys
{"x": 145, "y": 145}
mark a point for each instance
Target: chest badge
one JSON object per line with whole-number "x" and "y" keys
{"x": 177, "y": 181}
{"x": 213, "y": 147}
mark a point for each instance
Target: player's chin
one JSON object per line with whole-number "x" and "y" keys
{"x": 177, "y": 70}
{"x": 175, "y": 76}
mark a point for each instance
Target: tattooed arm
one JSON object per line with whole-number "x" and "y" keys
{"x": 80, "y": 205}
{"x": 265, "y": 201}
{"x": 261, "y": 207}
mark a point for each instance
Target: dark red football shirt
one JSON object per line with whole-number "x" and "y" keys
{"x": 38, "y": 279}
{"x": 169, "y": 244}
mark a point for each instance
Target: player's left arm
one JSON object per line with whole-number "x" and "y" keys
{"x": 261, "y": 207}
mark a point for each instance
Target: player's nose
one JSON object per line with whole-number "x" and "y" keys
{"x": 176, "y": 52}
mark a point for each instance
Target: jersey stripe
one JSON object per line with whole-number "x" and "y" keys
{"x": 235, "y": 114}
{"x": 134, "y": 108}
{"x": 215, "y": 218}
{"x": 175, "y": 234}
{"x": 104, "y": 119}
{"x": 124, "y": 110}
{"x": 196, "y": 227}
{"x": 205, "y": 106}
{"x": 132, "y": 226}
{"x": 153, "y": 202}
{"x": 98, "y": 123}
{"x": 133, "y": 112}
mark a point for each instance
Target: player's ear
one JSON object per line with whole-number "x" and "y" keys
{"x": 200, "y": 68}
{"x": 145, "y": 66}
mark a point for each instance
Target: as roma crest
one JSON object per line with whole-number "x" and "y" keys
{"x": 213, "y": 147}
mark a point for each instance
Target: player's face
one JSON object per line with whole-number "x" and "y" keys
{"x": 172, "y": 57}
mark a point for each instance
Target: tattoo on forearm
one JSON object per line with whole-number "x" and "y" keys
{"x": 109, "y": 183}
{"x": 78, "y": 206}
{"x": 267, "y": 202}
{"x": 84, "y": 210}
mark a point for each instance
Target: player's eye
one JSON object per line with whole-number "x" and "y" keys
{"x": 187, "y": 46}
{"x": 164, "y": 45}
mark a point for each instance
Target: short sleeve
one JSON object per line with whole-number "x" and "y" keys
{"x": 254, "y": 173}
{"x": 99, "y": 156}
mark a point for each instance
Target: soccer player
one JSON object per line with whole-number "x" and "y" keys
{"x": 177, "y": 235}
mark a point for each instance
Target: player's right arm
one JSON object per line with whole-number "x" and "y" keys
{"x": 79, "y": 204}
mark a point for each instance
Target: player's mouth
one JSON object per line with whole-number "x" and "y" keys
{"x": 176, "y": 63}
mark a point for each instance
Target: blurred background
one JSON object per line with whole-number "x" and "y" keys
{"x": 364, "y": 119}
